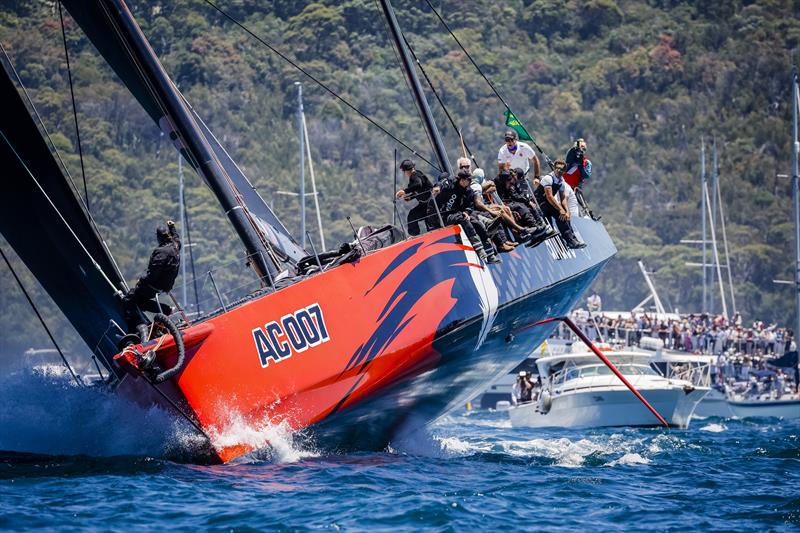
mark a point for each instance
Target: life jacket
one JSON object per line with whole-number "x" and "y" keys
{"x": 575, "y": 175}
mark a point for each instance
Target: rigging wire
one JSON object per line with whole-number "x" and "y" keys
{"x": 66, "y": 224}
{"x": 453, "y": 35}
{"x": 191, "y": 254}
{"x": 39, "y": 316}
{"x": 190, "y": 157}
{"x": 441, "y": 102}
{"x": 317, "y": 81}
{"x": 74, "y": 107}
{"x": 480, "y": 71}
{"x": 408, "y": 84}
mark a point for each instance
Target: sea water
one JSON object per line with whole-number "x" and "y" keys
{"x": 81, "y": 458}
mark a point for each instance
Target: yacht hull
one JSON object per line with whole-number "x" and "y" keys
{"x": 765, "y": 408}
{"x": 610, "y": 407}
{"x": 368, "y": 351}
{"x": 714, "y": 404}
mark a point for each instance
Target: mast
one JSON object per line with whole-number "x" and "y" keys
{"x": 796, "y": 202}
{"x": 182, "y": 215}
{"x": 190, "y": 135}
{"x": 704, "y": 308}
{"x": 302, "y": 164}
{"x": 313, "y": 180}
{"x": 416, "y": 87}
{"x": 712, "y": 218}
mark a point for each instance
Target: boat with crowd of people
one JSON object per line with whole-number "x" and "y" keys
{"x": 375, "y": 343}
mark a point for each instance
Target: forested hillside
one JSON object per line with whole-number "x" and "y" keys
{"x": 642, "y": 81}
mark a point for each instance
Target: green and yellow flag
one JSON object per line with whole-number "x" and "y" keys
{"x": 513, "y": 122}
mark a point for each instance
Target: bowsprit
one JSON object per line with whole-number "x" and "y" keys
{"x": 294, "y": 333}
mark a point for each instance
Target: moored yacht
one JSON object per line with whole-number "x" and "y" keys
{"x": 748, "y": 402}
{"x": 580, "y": 391}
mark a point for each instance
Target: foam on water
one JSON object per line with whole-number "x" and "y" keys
{"x": 273, "y": 442}
{"x": 42, "y": 410}
{"x": 714, "y": 428}
{"x": 630, "y": 459}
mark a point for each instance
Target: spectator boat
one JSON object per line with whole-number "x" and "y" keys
{"x": 355, "y": 353}
{"x": 787, "y": 406}
{"x": 580, "y": 391}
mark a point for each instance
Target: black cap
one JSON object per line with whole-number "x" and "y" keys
{"x": 519, "y": 172}
{"x": 443, "y": 176}
{"x": 464, "y": 175}
{"x": 511, "y": 134}
{"x": 407, "y": 164}
{"x": 162, "y": 234}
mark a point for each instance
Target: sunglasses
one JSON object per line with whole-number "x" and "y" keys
{"x": 509, "y": 139}
{"x": 463, "y": 166}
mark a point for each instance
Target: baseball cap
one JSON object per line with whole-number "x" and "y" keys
{"x": 511, "y": 134}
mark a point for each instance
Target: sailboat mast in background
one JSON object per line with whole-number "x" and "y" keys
{"x": 796, "y": 199}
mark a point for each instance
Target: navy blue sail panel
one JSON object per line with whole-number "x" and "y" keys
{"x": 45, "y": 223}
{"x": 94, "y": 19}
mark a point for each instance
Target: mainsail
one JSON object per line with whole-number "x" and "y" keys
{"x": 98, "y": 23}
{"x": 45, "y": 223}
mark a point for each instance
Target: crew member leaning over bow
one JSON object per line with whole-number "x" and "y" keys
{"x": 454, "y": 201}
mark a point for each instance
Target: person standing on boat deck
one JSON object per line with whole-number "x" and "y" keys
{"x": 514, "y": 154}
{"x": 162, "y": 269}
{"x": 521, "y": 392}
{"x": 419, "y": 188}
{"x": 578, "y": 170}
{"x": 454, "y": 201}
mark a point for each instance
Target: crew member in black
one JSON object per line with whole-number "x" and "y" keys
{"x": 160, "y": 277}
{"x": 553, "y": 201}
{"x": 454, "y": 201}
{"x": 419, "y": 188}
{"x": 525, "y": 210}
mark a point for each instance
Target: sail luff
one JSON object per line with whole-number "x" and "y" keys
{"x": 46, "y": 224}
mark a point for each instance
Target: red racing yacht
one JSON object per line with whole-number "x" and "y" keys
{"x": 354, "y": 354}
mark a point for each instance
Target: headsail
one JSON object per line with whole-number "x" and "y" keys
{"x": 94, "y": 18}
{"x": 45, "y": 223}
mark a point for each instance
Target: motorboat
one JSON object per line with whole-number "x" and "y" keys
{"x": 578, "y": 390}
{"x": 698, "y": 369}
{"x": 753, "y": 399}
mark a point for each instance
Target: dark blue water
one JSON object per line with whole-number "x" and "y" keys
{"x": 82, "y": 459}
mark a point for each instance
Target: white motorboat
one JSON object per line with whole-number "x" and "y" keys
{"x": 696, "y": 369}
{"x": 754, "y": 403}
{"x": 582, "y": 392}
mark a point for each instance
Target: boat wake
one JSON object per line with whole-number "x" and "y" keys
{"x": 507, "y": 445}
{"x": 43, "y": 411}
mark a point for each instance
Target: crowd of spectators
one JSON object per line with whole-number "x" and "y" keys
{"x": 693, "y": 333}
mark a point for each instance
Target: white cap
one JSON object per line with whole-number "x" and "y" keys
{"x": 522, "y": 373}
{"x": 478, "y": 175}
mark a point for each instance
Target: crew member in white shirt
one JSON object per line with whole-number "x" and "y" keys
{"x": 515, "y": 154}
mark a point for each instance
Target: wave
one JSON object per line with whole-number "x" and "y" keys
{"x": 43, "y": 411}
